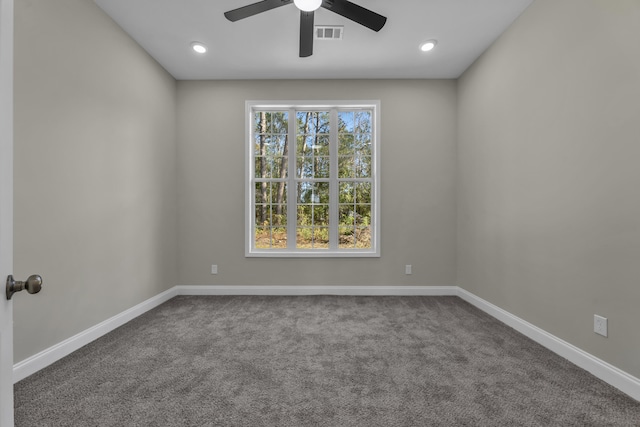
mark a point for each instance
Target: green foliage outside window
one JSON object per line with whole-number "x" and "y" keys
{"x": 312, "y": 165}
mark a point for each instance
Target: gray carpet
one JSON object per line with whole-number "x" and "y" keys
{"x": 317, "y": 361}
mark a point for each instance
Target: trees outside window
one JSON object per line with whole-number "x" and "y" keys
{"x": 312, "y": 185}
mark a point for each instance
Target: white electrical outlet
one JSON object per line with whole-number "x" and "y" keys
{"x": 407, "y": 269}
{"x": 214, "y": 269}
{"x": 600, "y": 325}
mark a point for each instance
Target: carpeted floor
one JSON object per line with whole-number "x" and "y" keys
{"x": 317, "y": 361}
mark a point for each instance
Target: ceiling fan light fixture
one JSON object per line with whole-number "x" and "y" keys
{"x": 428, "y": 45}
{"x": 198, "y": 47}
{"x": 344, "y": 8}
{"x": 308, "y": 5}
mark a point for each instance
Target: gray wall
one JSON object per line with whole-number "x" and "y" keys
{"x": 549, "y": 194}
{"x": 417, "y": 184}
{"x": 95, "y": 171}
{"x": 548, "y": 206}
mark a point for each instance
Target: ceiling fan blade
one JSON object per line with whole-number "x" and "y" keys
{"x": 356, "y": 13}
{"x": 254, "y": 9}
{"x": 306, "y": 34}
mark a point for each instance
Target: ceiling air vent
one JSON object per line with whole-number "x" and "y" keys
{"x": 329, "y": 32}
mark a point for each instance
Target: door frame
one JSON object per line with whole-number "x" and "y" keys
{"x": 6, "y": 210}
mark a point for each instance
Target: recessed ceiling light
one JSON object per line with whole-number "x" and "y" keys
{"x": 429, "y": 45}
{"x": 308, "y": 5}
{"x": 198, "y": 47}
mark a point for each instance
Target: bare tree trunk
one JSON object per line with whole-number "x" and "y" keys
{"x": 283, "y": 175}
{"x": 316, "y": 143}
{"x": 263, "y": 167}
{"x": 304, "y": 148}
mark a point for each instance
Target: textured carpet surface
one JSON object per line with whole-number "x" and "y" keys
{"x": 317, "y": 361}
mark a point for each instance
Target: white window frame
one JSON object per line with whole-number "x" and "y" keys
{"x": 335, "y": 252}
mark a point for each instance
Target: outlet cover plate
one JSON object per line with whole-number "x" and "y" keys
{"x": 600, "y": 326}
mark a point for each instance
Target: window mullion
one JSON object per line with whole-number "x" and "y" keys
{"x": 292, "y": 197}
{"x": 333, "y": 183}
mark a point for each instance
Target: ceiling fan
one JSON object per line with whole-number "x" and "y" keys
{"x": 345, "y": 8}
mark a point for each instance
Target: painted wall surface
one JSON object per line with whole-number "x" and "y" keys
{"x": 417, "y": 184}
{"x": 95, "y": 171}
{"x": 127, "y": 183}
{"x": 549, "y": 194}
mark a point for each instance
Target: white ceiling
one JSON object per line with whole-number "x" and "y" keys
{"x": 265, "y": 46}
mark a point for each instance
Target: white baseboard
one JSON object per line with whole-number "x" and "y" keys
{"x": 46, "y": 357}
{"x": 599, "y": 368}
{"x": 320, "y": 290}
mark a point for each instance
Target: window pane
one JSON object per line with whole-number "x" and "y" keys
{"x": 363, "y": 167}
{"x": 283, "y": 168}
{"x": 321, "y": 167}
{"x": 346, "y": 215}
{"x": 313, "y": 215}
{"x": 346, "y": 122}
{"x": 362, "y": 143}
{"x": 270, "y": 167}
{"x": 363, "y": 192}
{"x": 304, "y": 237}
{"x": 312, "y": 238}
{"x": 313, "y": 192}
{"x": 260, "y": 213}
{"x": 346, "y": 167}
{"x": 271, "y": 222}
{"x": 277, "y": 167}
{"x": 362, "y": 121}
{"x": 346, "y": 144}
{"x": 263, "y": 238}
{"x": 274, "y": 122}
{"x": 321, "y": 238}
{"x": 363, "y": 237}
{"x": 313, "y": 122}
{"x": 271, "y": 192}
{"x": 280, "y": 216}
{"x": 269, "y": 238}
{"x": 304, "y": 216}
{"x": 320, "y": 145}
{"x": 347, "y": 238}
{"x": 305, "y": 192}
{"x": 263, "y": 192}
{"x": 321, "y": 192}
{"x": 279, "y": 238}
{"x": 321, "y": 215}
{"x": 346, "y": 192}
{"x": 263, "y": 215}
{"x": 275, "y": 145}
{"x": 363, "y": 215}
{"x": 261, "y": 167}
{"x": 259, "y": 141}
{"x": 346, "y": 227}
{"x": 280, "y": 122}
{"x": 304, "y": 119}
{"x": 280, "y": 193}
{"x": 304, "y": 167}
{"x": 305, "y": 145}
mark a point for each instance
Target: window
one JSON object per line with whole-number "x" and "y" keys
{"x": 312, "y": 179}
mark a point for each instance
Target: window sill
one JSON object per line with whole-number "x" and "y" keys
{"x": 311, "y": 254}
